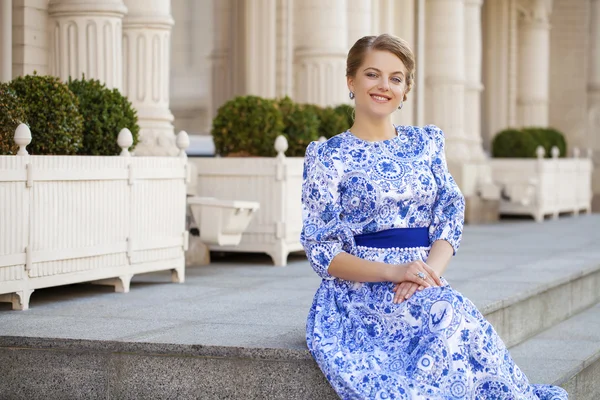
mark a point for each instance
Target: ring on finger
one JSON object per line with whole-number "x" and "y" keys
{"x": 421, "y": 275}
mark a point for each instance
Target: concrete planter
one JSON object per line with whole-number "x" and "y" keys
{"x": 71, "y": 219}
{"x": 222, "y": 222}
{"x": 275, "y": 183}
{"x": 540, "y": 187}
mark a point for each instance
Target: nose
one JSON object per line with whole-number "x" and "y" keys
{"x": 384, "y": 85}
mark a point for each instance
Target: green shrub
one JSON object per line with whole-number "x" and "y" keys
{"x": 247, "y": 126}
{"x": 51, "y": 110}
{"x": 332, "y": 122}
{"x": 105, "y": 112}
{"x": 11, "y": 115}
{"x": 348, "y": 112}
{"x": 548, "y": 138}
{"x": 301, "y": 126}
{"x": 522, "y": 143}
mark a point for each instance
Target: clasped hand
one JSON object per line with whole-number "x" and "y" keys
{"x": 411, "y": 277}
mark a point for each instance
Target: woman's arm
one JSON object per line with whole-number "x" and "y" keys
{"x": 439, "y": 256}
{"x": 351, "y": 268}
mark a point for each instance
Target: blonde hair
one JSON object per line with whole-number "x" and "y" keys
{"x": 384, "y": 42}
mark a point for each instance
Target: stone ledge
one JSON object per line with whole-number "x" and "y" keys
{"x": 567, "y": 354}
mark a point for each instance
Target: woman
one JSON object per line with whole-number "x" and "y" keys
{"x": 382, "y": 218}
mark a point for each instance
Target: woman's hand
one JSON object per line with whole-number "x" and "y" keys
{"x": 412, "y": 276}
{"x": 405, "y": 290}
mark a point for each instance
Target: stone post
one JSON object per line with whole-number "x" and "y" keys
{"x": 261, "y": 46}
{"x": 593, "y": 97}
{"x": 320, "y": 49}
{"x": 534, "y": 64}
{"x": 445, "y": 81}
{"x": 6, "y": 40}
{"x": 146, "y": 57}
{"x": 474, "y": 86}
{"x": 85, "y": 39}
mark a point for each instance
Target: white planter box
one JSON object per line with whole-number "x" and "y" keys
{"x": 71, "y": 219}
{"x": 222, "y": 222}
{"x": 275, "y": 183}
{"x": 540, "y": 187}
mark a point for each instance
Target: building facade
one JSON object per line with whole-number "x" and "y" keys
{"x": 482, "y": 66}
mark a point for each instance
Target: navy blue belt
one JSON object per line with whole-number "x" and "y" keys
{"x": 397, "y": 237}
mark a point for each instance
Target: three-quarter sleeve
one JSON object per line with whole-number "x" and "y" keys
{"x": 449, "y": 208}
{"x": 323, "y": 235}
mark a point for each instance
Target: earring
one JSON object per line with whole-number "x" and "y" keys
{"x": 401, "y": 104}
{"x": 351, "y": 95}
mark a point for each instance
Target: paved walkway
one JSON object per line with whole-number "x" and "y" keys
{"x": 241, "y": 300}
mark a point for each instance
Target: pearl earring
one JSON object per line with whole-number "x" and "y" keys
{"x": 351, "y": 95}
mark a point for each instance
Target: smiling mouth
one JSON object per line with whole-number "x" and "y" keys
{"x": 380, "y": 99}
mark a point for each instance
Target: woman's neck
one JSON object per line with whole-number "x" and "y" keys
{"x": 373, "y": 130}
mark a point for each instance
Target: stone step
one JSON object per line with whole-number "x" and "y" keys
{"x": 33, "y": 368}
{"x": 529, "y": 298}
{"x": 567, "y": 355}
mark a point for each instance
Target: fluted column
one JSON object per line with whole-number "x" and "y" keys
{"x": 261, "y": 46}
{"x": 285, "y": 50}
{"x": 593, "y": 95}
{"x": 85, "y": 39}
{"x": 534, "y": 64}
{"x": 321, "y": 46}
{"x": 474, "y": 86}
{"x": 221, "y": 82}
{"x": 146, "y": 56}
{"x": 5, "y": 40}
{"x": 359, "y": 20}
{"x": 445, "y": 81}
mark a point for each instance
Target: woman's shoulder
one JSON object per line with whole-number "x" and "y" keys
{"x": 430, "y": 130}
{"x": 326, "y": 147}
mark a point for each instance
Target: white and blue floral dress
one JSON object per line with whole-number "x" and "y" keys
{"x": 436, "y": 345}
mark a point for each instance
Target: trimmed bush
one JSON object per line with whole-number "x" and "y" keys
{"x": 301, "y": 126}
{"x": 52, "y": 112}
{"x": 105, "y": 112}
{"x": 247, "y": 126}
{"x": 548, "y": 138}
{"x": 347, "y": 111}
{"x": 522, "y": 143}
{"x": 11, "y": 115}
{"x": 332, "y": 122}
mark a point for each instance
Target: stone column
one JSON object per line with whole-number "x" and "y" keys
{"x": 5, "y": 40}
{"x": 534, "y": 64}
{"x": 221, "y": 85}
{"x": 146, "y": 58}
{"x": 261, "y": 46}
{"x": 85, "y": 39}
{"x": 359, "y": 20}
{"x": 593, "y": 97}
{"x": 285, "y": 49}
{"x": 474, "y": 86}
{"x": 404, "y": 13}
{"x": 320, "y": 49}
{"x": 445, "y": 81}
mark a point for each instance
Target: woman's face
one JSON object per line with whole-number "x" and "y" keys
{"x": 379, "y": 83}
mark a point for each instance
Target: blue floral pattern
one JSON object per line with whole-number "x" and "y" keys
{"x": 436, "y": 345}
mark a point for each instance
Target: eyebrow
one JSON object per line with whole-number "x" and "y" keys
{"x": 378, "y": 70}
